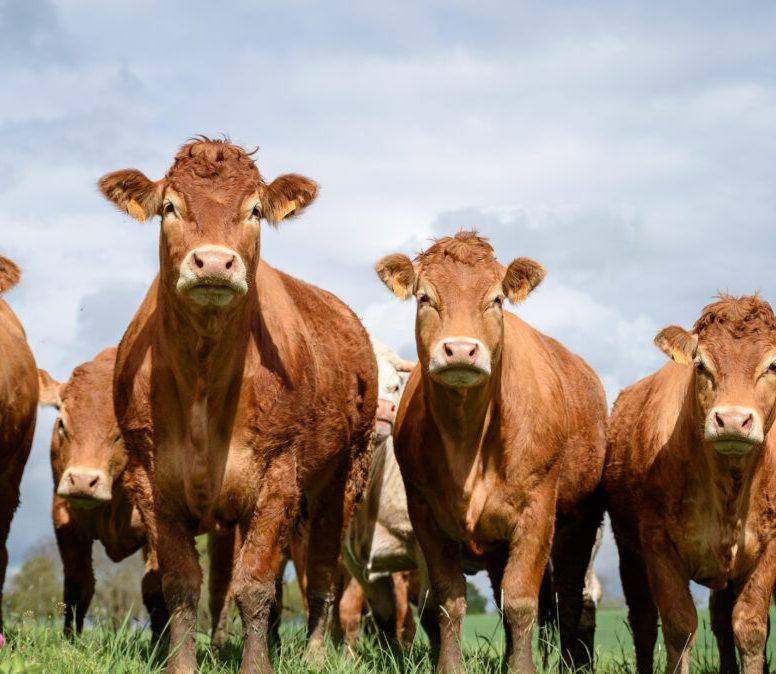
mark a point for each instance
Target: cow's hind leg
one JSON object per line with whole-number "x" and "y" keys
{"x": 75, "y": 549}
{"x": 572, "y": 550}
{"x": 642, "y": 612}
{"x": 221, "y": 550}
{"x": 330, "y": 511}
{"x": 721, "y": 613}
{"x": 153, "y": 595}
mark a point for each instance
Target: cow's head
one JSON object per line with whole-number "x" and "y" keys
{"x": 732, "y": 350}
{"x": 9, "y": 274}
{"x": 211, "y": 203}
{"x": 86, "y": 444}
{"x": 460, "y": 290}
{"x": 392, "y": 375}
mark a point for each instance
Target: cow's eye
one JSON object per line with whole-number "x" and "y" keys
{"x": 700, "y": 367}
{"x": 61, "y": 429}
{"x": 393, "y": 389}
{"x": 772, "y": 368}
{"x": 256, "y": 213}
{"x": 424, "y": 299}
{"x": 169, "y": 208}
{"x": 497, "y": 302}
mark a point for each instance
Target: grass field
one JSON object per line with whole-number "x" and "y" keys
{"x": 35, "y": 648}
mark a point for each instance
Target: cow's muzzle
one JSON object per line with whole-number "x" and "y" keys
{"x": 733, "y": 430}
{"x": 386, "y": 415}
{"x": 85, "y": 487}
{"x": 459, "y": 362}
{"x": 212, "y": 275}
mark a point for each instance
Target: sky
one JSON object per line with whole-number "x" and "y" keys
{"x": 628, "y": 147}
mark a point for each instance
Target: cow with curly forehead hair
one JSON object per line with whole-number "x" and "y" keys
{"x": 246, "y": 398}
{"x": 690, "y": 479}
{"x": 500, "y": 439}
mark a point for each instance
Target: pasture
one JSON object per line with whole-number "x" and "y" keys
{"x": 33, "y": 647}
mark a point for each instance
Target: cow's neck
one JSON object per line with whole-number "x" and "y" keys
{"x": 207, "y": 352}
{"x": 463, "y": 418}
{"x": 726, "y": 479}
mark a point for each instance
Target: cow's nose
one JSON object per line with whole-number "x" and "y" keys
{"x": 386, "y": 409}
{"x": 460, "y": 352}
{"x": 212, "y": 262}
{"x": 733, "y": 421}
{"x": 84, "y": 484}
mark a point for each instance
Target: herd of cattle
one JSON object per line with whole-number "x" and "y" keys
{"x": 248, "y": 405}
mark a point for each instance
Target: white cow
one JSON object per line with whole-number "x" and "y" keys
{"x": 380, "y": 540}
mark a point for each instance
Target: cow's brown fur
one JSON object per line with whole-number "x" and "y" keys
{"x": 18, "y": 409}
{"x": 484, "y": 466}
{"x": 683, "y": 511}
{"x": 86, "y": 436}
{"x": 234, "y": 415}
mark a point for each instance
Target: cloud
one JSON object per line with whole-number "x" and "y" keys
{"x": 628, "y": 148}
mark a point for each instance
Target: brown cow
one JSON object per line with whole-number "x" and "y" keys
{"x": 18, "y": 409}
{"x": 90, "y": 503}
{"x": 690, "y": 480}
{"x": 497, "y": 426}
{"x": 244, "y": 396}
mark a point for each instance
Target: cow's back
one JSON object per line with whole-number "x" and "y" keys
{"x": 18, "y": 390}
{"x": 585, "y": 447}
{"x": 643, "y": 419}
{"x": 549, "y": 380}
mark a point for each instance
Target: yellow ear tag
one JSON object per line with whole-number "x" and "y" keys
{"x": 136, "y": 210}
{"x": 398, "y": 289}
{"x": 522, "y": 293}
{"x": 679, "y": 357}
{"x": 290, "y": 208}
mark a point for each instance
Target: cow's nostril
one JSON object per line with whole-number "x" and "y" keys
{"x": 230, "y": 263}
{"x": 198, "y": 261}
{"x": 747, "y": 423}
{"x": 718, "y": 420}
{"x": 70, "y": 478}
{"x": 93, "y": 482}
{"x": 448, "y": 350}
{"x": 472, "y": 352}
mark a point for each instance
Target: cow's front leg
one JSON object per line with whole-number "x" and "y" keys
{"x": 181, "y": 580}
{"x": 750, "y": 613}
{"x": 75, "y": 549}
{"x": 260, "y": 562}
{"x": 529, "y": 551}
{"x": 670, "y": 587}
{"x": 447, "y": 600}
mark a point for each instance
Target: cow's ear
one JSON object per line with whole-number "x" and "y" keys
{"x": 677, "y": 344}
{"x": 9, "y": 274}
{"x": 133, "y": 193}
{"x": 522, "y": 276}
{"x": 49, "y": 390}
{"x": 398, "y": 273}
{"x": 286, "y": 197}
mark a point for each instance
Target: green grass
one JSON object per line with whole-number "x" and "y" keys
{"x": 37, "y": 648}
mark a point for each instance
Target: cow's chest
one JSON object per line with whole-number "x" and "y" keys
{"x": 217, "y": 487}
{"x": 717, "y": 542}
{"x": 479, "y": 514}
